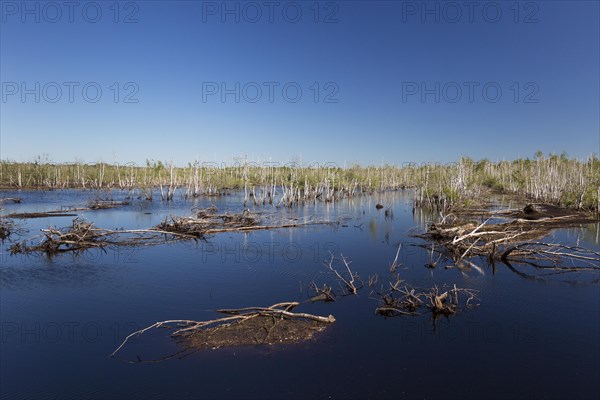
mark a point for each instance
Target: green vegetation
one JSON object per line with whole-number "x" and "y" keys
{"x": 554, "y": 179}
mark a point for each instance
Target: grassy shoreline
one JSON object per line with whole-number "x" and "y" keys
{"x": 559, "y": 180}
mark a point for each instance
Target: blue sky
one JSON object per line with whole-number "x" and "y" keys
{"x": 381, "y": 81}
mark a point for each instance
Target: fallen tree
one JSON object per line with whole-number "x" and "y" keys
{"x": 518, "y": 240}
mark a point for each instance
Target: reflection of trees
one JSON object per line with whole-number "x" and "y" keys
{"x": 589, "y": 234}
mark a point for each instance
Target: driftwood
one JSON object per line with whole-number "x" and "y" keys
{"x": 395, "y": 264}
{"x": 106, "y": 204}
{"x": 10, "y": 200}
{"x": 45, "y": 214}
{"x": 8, "y": 228}
{"x": 82, "y": 235}
{"x": 555, "y": 252}
{"x": 348, "y": 281}
{"x": 517, "y": 240}
{"x": 324, "y": 293}
{"x": 68, "y": 212}
{"x": 242, "y": 326}
{"x": 348, "y": 278}
{"x": 403, "y": 299}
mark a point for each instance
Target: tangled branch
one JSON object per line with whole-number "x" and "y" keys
{"x": 233, "y": 328}
{"x": 517, "y": 240}
{"x": 348, "y": 278}
{"x": 403, "y": 299}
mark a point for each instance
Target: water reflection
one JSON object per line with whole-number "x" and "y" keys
{"x": 519, "y": 327}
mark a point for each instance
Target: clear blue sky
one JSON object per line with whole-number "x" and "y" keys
{"x": 373, "y": 57}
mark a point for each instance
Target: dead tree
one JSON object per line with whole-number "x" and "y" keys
{"x": 348, "y": 278}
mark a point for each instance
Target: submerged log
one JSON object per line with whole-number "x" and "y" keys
{"x": 10, "y": 199}
{"x": 106, "y": 204}
{"x": 45, "y": 214}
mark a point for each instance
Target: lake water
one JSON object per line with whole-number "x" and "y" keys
{"x": 534, "y": 335}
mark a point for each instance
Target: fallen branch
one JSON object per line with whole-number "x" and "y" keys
{"x": 232, "y": 323}
{"x": 8, "y": 228}
{"x": 576, "y": 251}
{"x": 322, "y": 294}
{"x": 46, "y": 214}
{"x": 517, "y": 240}
{"x": 106, "y": 204}
{"x": 82, "y": 235}
{"x": 406, "y": 300}
{"x": 10, "y": 199}
{"x": 395, "y": 263}
{"x": 347, "y": 281}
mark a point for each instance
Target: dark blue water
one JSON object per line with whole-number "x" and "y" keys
{"x": 535, "y": 335}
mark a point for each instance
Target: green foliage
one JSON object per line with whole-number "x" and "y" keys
{"x": 557, "y": 179}
{"x": 492, "y": 183}
{"x": 451, "y": 194}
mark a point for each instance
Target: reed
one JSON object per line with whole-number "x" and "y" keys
{"x": 555, "y": 179}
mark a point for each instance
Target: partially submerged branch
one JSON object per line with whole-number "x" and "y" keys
{"x": 243, "y": 326}
{"x": 83, "y": 235}
{"x": 10, "y": 200}
{"x": 106, "y": 204}
{"x": 395, "y": 264}
{"x": 403, "y": 299}
{"x": 324, "y": 293}
{"x": 43, "y": 214}
{"x": 348, "y": 278}
{"x": 8, "y": 228}
{"x": 517, "y": 240}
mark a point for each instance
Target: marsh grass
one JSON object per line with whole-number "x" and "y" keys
{"x": 553, "y": 179}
